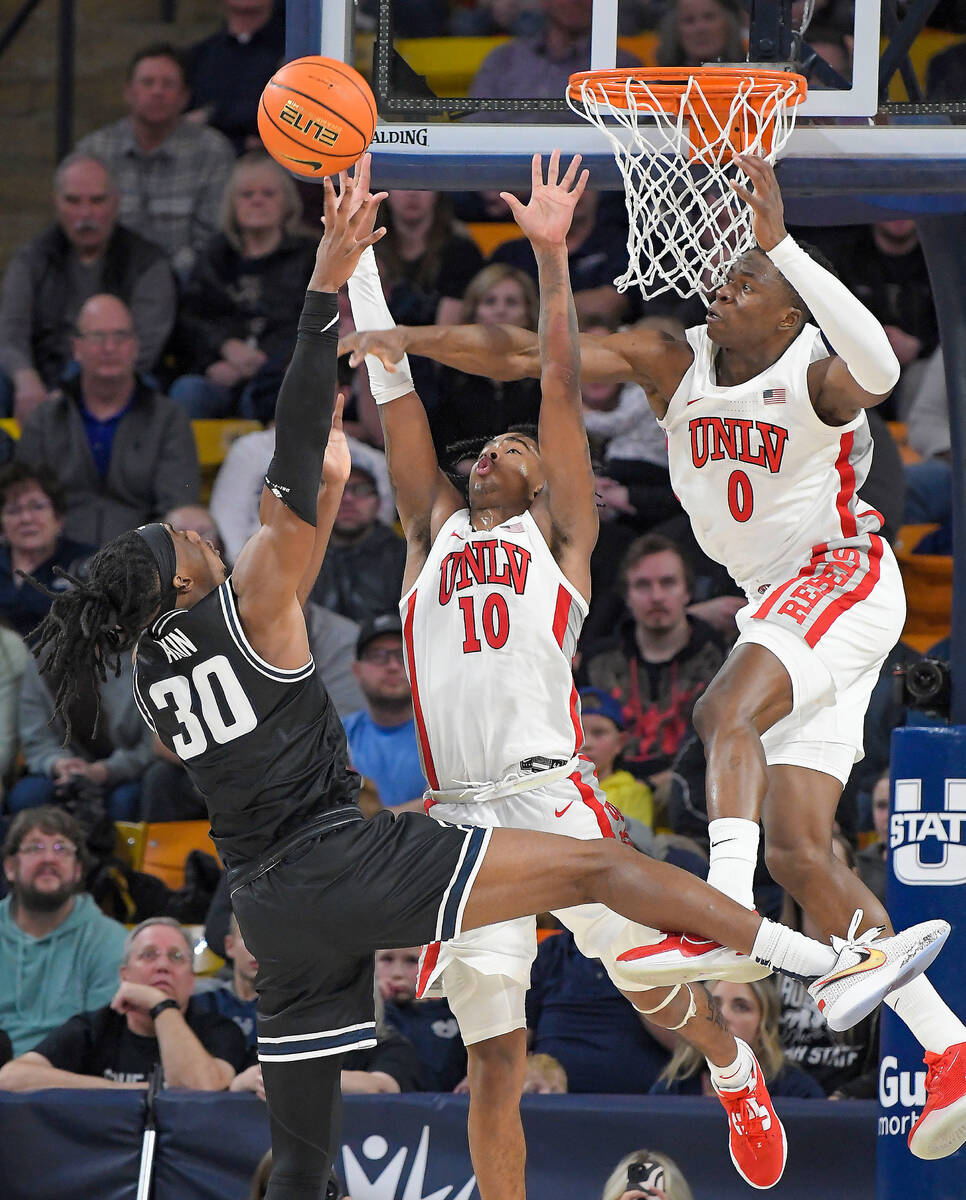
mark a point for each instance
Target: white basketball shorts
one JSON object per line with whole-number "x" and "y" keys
{"x": 831, "y": 625}
{"x": 486, "y": 972}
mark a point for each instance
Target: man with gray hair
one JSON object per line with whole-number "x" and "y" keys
{"x": 151, "y": 1020}
{"x": 50, "y": 278}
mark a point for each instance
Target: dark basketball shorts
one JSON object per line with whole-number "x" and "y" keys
{"x": 315, "y": 919}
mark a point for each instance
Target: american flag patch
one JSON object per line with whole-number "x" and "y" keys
{"x": 773, "y": 395}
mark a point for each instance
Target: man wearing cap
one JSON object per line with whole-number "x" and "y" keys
{"x": 362, "y": 573}
{"x": 382, "y": 736}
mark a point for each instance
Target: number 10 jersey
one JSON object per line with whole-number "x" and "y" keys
{"x": 490, "y": 629}
{"x": 263, "y": 745}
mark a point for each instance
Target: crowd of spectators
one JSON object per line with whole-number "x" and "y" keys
{"x": 168, "y": 289}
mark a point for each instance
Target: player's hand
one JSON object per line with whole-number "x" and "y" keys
{"x": 546, "y": 218}
{"x": 137, "y": 997}
{"x": 388, "y": 345}
{"x": 337, "y": 463}
{"x": 349, "y": 219}
{"x": 765, "y": 201}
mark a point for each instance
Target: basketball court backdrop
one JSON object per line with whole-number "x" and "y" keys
{"x": 866, "y": 146}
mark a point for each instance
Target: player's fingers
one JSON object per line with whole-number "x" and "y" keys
{"x": 337, "y": 411}
{"x": 512, "y": 203}
{"x": 372, "y": 238}
{"x": 747, "y": 196}
{"x": 329, "y": 207}
{"x": 553, "y": 168}
{"x": 571, "y": 173}
{"x": 536, "y": 172}
{"x": 361, "y": 171}
{"x": 581, "y": 183}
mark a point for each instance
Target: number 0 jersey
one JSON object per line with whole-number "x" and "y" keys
{"x": 264, "y": 746}
{"x": 490, "y": 629}
{"x": 766, "y": 483}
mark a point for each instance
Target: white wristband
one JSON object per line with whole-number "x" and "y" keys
{"x": 370, "y": 311}
{"x": 854, "y": 333}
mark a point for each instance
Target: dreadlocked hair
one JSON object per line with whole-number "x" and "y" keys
{"x": 91, "y": 624}
{"x": 457, "y": 452}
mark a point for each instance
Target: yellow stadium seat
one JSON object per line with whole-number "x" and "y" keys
{"x": 490, "y": 234}
{"x": 130, "y": 838}
{"x": 213, "y": 437}
{"x": 928, "y": 580}
{"x": 900, "y": 435}
{"x": 168, "y": 844}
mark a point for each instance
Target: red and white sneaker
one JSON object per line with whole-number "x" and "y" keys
{"x": 756, "y": 1136}
{"x": 941, "y": 1128}
{"x": 683, "y": 958}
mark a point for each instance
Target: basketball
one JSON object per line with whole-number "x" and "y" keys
{"x": 316, "y": 116}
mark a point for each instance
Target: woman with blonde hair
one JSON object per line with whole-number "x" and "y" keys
{"x": 240, "y": 309}
{"x": 646, "y": 1173}
{"x": 751, "y": 1011}
{"x": 471, "y": 406}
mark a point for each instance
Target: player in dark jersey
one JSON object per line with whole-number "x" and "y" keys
{"x": 224, "y": 674}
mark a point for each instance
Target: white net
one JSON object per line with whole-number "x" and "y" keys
{"x": 686, "y": 224}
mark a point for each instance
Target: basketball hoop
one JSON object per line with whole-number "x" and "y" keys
{"x": 686, "y": 224}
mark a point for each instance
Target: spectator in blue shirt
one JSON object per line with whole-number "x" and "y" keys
{"x": 429, "y": 1024}
{"x": 235, "y": 997}
{"x": 382, "y": 736}
{"x": 122, "y": 453}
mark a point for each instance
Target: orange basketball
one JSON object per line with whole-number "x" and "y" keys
{"x": 316, "y": 116}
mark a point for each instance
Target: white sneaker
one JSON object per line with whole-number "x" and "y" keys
{"x": 870, "y": 966}
{"x": 682, "y": 958}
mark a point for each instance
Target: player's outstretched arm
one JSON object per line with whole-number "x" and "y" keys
{"x": 503, "y": 352}
{"x": 271, "y": 565}
{"x": 564, "y": 451}
{"x": 425, "y": 498}
{"x": 866, "y": 369}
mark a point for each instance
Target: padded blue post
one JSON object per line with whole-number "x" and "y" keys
{"x": 925, "y": 879}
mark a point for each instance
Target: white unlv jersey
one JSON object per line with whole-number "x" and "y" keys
{"x": 490, "y": 628}
{"x": 765, "y": 482}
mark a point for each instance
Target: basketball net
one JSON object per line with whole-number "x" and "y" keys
{"x": 675, "y": 134}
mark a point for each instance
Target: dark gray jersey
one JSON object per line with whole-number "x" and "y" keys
{"x": 264, "y": 746}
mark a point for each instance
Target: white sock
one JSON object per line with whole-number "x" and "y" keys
{"x": 790, "y": 952}
{"x": 927, "y": 1016}
{"x": 734, "y": 855}
{"x": 735, "y": 1075}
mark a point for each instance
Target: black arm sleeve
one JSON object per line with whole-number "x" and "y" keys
{"x": 304, "y": 409}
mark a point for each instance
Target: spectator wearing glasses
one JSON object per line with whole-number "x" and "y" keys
{"x": 382, "y": 736}
{"x": 149, "y": 1021}
{"x": 32, "y": 539}
{"x": 122, "y": 453}
{"x": 59, "y": 954}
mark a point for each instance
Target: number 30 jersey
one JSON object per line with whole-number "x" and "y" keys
{"x": 765, "y": 481}
{"x": 490, "y": 629}
{"x": 264, "y": 746}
